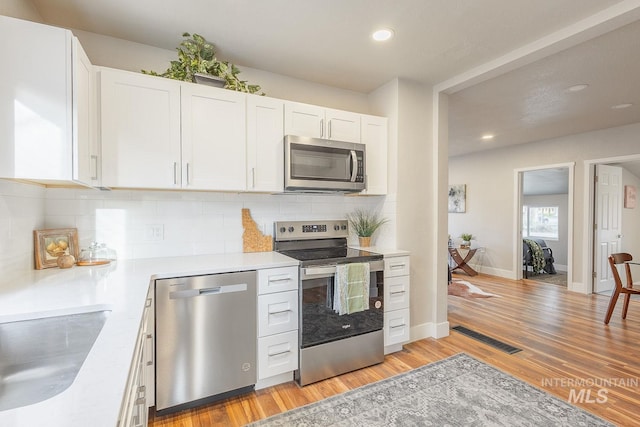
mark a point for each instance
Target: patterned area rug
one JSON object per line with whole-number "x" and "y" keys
{"x": 456, "y": 391}
{"x": 556, "y": 279}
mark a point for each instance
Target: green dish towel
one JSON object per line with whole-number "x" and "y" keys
{"x": 537, "y": 256}
{"x": 351, "y": 290}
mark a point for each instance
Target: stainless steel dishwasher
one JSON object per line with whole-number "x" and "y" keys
{"x": 205, "y": 339}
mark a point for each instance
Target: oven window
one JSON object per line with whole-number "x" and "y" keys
{"x": 321, "y": 324}
{"x": 320, "y": 163}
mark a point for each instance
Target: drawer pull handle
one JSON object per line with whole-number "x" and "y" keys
{"x": 279, "y": 353}
{"x": 396, "y": 266}
{"x": 398, "y": 326}
{"x": 398, "y": 292}
{"x": 286, "y": 279}
{"x": 279, "y": 312}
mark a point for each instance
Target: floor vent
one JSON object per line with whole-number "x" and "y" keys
{"x": 487, "y": 340}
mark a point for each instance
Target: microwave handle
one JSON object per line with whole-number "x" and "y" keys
{"x": 354, "y": 165}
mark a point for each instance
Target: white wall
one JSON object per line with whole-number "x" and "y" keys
{"x": 490, "y": 189}
{"x": 631, "y": 219}
{"x": 22, "y": 210}
{"x": 558, "y": 246}
{"x": 125, "y": 55}
{"x": 22, "y": 9}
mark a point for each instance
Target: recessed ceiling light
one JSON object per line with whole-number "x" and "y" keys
{"x": 621, "y": 106}
{"x": 382, "y": 34}
{"x": 577, "y": 88}
{"x": 488, "y": 137}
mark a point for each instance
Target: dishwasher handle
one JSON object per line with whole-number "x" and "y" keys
{"x": 216, "y": 290}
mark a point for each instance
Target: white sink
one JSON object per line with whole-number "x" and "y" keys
{"x": 40, "y": 357}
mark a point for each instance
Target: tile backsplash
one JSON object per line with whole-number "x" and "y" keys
{"x": 146, "y": 224}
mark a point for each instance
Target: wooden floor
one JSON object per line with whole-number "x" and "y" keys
{"x": 561, "y": 333}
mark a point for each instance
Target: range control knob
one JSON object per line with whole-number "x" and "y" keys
{"x": 282, "y": 229}
{"x": 344, "y": 227}
{"x": 336, "y": 227}
{"x": 291, "y": 229}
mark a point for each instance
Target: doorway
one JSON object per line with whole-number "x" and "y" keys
{"x": 612, "y": 225}
{"x": 544, "y": 218}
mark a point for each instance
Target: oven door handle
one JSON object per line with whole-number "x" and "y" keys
{"x": 321, "y": 270}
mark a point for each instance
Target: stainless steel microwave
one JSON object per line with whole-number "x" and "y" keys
{"x": 321, "y": 165}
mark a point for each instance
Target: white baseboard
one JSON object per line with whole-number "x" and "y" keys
{"x": 560, "y": 267}
{"x": 507, "y": 274}
{"x": 578, "y": 287}
{"x": 429, "y": 330}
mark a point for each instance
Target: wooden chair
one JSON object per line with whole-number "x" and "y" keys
{"x": 614, "y": 260}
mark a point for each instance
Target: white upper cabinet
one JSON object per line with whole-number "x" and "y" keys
{"x": 318, "y": 122}
{"x": 43, "y": 121}
{"x": 213, "y": 138}
{"x": 140, "y": 130}
{"x": 265, "y": 146}
{"x": 374, "y": 136}
{"x": 164, "y": 134}
{"x": 86, "y": 149}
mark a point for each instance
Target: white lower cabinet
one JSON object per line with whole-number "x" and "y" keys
{"x": 139, "y": 393}
{"x": 396, "y": 303}
{"x": 277, "y": 325}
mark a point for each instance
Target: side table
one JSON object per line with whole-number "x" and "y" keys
{"x": 460, "y": 262}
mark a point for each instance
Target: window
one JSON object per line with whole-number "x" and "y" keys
{"x": 540, "y": 221}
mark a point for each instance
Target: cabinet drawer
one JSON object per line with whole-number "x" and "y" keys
{"x": 277, "y": 280}
{"x": 277, "y": 313}
{"x": 277, "y": 354}
{"x": 397, "y": 266}
{"x": 396, "y": 327}
{"x": 396, "y": 293}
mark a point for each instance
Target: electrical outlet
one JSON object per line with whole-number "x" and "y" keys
{"x": 154, "y": 232}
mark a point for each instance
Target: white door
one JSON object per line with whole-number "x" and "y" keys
{"x": 265, "y": 145}
{"x": 608, "y": 217}
{"x": 140, "y": 130}
{"x": 374, "y": 136}
{"x": 213, "y": 138}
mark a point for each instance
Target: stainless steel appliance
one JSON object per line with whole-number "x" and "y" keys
{"x": 205, "y": 339}
{"x": 331, "y": 344}
{"x": 320, "y": 165}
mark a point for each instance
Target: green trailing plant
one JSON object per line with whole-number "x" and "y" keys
{"x": 197, "y": 55}
{"x": 466, "y": 237}
{"x": 364, "y": 223}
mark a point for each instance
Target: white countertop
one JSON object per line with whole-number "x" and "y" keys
{"x": 95, "y": 396}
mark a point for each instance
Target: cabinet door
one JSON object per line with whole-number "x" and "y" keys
{"x": 271, "y": 280}
{"x": 396, "y": 293}
{"x": 213, "y": 138}
{"x": 140, "y": 130}
{"x": 396, "y": 266}
{"x": 277, "y": 354}
{"x": 35, "y": 101}
{"x": 304, "y": 120}
{"x": 342, "y": 126}
{"x": 85, "y": 140}
{"x": 374, "y": 136}
{"x": 265, "y": 147}
{"x": 277, "y": 313}
{"x": 396, "y": 327}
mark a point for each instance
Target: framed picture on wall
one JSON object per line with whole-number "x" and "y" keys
{"x": 457, "y": 198}
{"x": 53, "y": 243}
{"x": 630, "y": 196}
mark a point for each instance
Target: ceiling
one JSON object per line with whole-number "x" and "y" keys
{"x": 329, "y": 42}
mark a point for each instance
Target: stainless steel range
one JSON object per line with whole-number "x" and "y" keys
{"x": 332, "y": 343}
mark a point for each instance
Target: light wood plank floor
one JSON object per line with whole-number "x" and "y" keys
{"x": 561, "y": 333}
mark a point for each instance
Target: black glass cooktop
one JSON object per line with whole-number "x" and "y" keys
{"x": 341, "y": 255}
